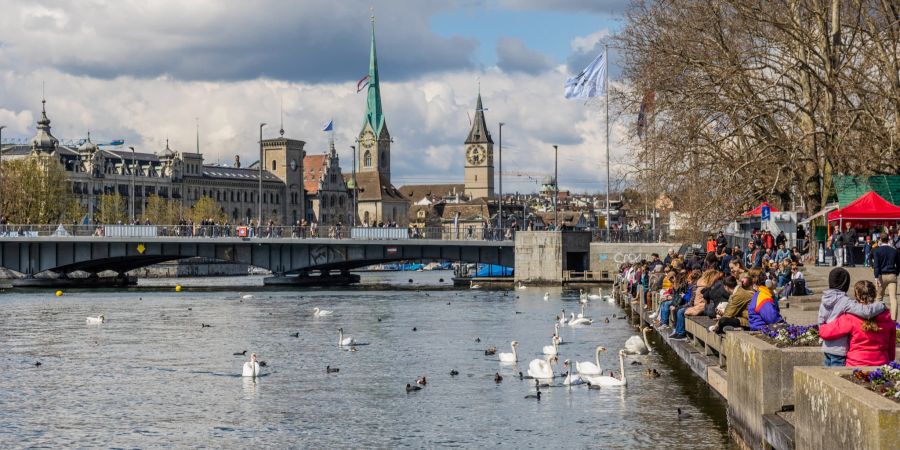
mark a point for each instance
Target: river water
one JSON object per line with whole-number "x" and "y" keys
{"x": 152, "y": 376}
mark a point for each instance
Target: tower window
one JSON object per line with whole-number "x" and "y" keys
{"x": 382, "y": 160}
{"x": 367, "y": 159}
{"x": 274, "y": 165}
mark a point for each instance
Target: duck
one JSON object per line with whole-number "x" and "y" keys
{"x": 490, "y": 351}
{"x": 421, "y": 381}
{"x": 296, "y": 335}
{"x": 344, "y": 341}
{"x": 205, "y": 325}
{"x": 510, "y": 357}
{"x": 610, "y": 380}
{"x": 682, "y": 414}
{"x": 96, "y": 320}
{"x": 536, "y": 396}
{"x": 497, "y": 377}
{"x": 321, "y": 312}
{"x": 243, "y": 353}
{"x": 454, "y": 372}
{"x": 477, "y": 340}
{"x": 251, "y": 368}
{"x": 37, "y": 364}
{"x": 651, "y": 373}
{"x": 411, "y": 388}
{"x": 595, "y": 387}
{"x": 606, "y": 320}
{"x": 638, "y": 345}
{"x": 329, "y": 369}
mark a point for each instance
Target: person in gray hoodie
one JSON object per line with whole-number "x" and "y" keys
{"x": 835, "y": 302}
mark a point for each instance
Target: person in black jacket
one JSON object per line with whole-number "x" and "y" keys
{"x": 886, "y": 267}
{"x": 714, "y": 295}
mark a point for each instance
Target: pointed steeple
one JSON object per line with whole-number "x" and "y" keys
{"x": 44, "y": 140}
{"x": 479, "y": 133}
{"x": 374, "y": 115}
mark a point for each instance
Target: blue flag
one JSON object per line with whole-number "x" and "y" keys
{"x": 591, "y": 82}
{"x": 329, "y": 126}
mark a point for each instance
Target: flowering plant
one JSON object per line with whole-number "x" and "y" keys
{"x": 884, "y": 380}
{"x": 781, "y": 335}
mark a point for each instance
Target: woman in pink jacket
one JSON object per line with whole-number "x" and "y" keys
{"x": 872, "y": 342}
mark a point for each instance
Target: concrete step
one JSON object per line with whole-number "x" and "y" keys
{"x": 808, "y": 307}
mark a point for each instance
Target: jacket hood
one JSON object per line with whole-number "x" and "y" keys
{"x": 830, "y": 297}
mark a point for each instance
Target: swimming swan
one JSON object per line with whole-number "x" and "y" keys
{"x": 247, "y": 297}
{"x": 96, "y": 320}
{"x": 553, "y": 348}
{"x": 558, "y": 337}
{"x": 591, "y": 368}
{"x": 344, "y": 341}
{"x": 638, "y": 345}
{"x": 575, "y": 322}
{"x": 510, "y": 357}
{"x": 571, "y": 380}
{"x": 251, "y": 368}
{"x": 546, "y": 296}
{"x": 608, "y": 380}
{"x": 321, "y": 312}
{"x": 540, "y": 369}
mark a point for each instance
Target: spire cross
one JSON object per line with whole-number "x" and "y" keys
{"x": 372, "y": 15}
{"x": 281, "y": 131}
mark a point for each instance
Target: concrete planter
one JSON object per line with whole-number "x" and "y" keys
{"x": 832, "y": 412}
{"x": 760, "y": 381}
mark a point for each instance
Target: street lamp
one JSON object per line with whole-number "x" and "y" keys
{"x": 355, "y": 187}
{"x": 133, "y": 194}
{"x": 1, "y": 158}
{"x": 259, "y": 195}
{"x": 500, "y": 178}
{"x": 556, "y": 186}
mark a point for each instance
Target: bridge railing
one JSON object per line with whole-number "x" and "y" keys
{"x": 450, "y": 233}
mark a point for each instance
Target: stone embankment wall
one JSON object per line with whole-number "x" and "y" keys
{"x": 609, "y": 256}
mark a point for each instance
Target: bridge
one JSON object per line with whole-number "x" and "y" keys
{"x": 63, "y": 255}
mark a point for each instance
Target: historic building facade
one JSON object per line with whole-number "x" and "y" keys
{"x": 95, "y": 171}
{"x": 327, "y": 198}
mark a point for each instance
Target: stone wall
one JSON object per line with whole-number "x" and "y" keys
{"x": 607, "y": 256}
{"x": 541, "y": 256}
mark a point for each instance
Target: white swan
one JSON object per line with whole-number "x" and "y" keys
{"x": 581, "y": 314}
{"x": 475, "y": 286}
{"x": 553, "y": 348}
{"x": 591, "y": 368}
{"x": 521, "y": 286}
{"x": 563, "y": 319}
{"x": 510, "y": 357}
{"x": 558, "y": 337}
{"x": 576, "y": 322}
{"x": 540, "y": 369}
{"x": 344, "y": 341}
{"x": 638, "y": 345}
{"x": 607, "y": 380}
{"x": 321, "y": 312}
{"x": 251, "y": 368}
{"x": 546, "y": 296}
{"x": 96, "y": 320}
{"x": 571, "y": 380}
{"x": 609, "y": 299}
{"x": 247, "y": 297}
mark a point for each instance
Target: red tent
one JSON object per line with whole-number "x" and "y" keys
{"x": 870, "y": 206}
{"x": 758, "y": 210}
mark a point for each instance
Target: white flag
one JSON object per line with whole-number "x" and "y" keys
{"x": 591, "y": 82}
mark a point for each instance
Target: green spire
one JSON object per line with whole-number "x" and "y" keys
{"x": 373, "y": 105}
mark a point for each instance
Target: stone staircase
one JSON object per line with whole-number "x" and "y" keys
{"x": 816, "y": 281}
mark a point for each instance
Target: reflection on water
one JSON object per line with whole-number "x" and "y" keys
{"x": 153, "y": 376}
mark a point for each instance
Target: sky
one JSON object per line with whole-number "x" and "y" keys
{"x": 148, "y": 72}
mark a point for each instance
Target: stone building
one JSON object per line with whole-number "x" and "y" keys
{"x": 479, "y": 167}
{"x": 328, "y": 200}
{"x": 95, "y": 171}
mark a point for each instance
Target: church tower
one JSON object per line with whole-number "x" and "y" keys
{"x": 479, "y": 148}
{"x": 374, "y": 139}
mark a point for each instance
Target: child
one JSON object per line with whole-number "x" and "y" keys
{"x": 836, "y": 302}
{"x": 872, "y": 342}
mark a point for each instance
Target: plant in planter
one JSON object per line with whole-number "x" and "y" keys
{"x": 781, "y": 335}
{"x": 884, "y": 380}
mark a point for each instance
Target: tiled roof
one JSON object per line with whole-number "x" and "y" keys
{"x": 372, "y": 187}
{"x": 416, "y": 192}
{"x": 313, "y": 170}
{"x": 475, "y": 210}
{"x": 234, "y": 173}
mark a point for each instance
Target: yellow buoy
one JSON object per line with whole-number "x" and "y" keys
{"x": 59, "y": 293}
{"x": 177, "y": 288}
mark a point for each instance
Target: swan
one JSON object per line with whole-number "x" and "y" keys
{"x": 475, "y": 286}
{"x": 562, "y": 319}
{"x": 609, "y": 298}
{"x": 251, "y": 368}
{"x": 581, "y": 314}
{"x": 571, "y": 380}
{"x": 558, "y": 337}
{"x": 609, "y": 380}
{"x": 553, "y": 348}
{"x": 575, "y": 322}
{"x": 344, "y": 341}
{"x": 596, "y": 296}
{"x": 247, "y": 297}
{"x": 510, "y": 357}
{"x": 540, "y": 369}
{"x": 321, "y": 312}
{"x": 521, "y": 286}
{"x": 582, "y": 295}
{"x": 96, "y": 320}
{"x": 546, "y": 296}
{"x": 591, "y": 368}
{"x": 638, "y": 345}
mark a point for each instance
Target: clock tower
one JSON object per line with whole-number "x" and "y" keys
{"x": 374, "y": 139}
{"x": 479, "y": 154}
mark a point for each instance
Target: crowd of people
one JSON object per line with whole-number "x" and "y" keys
{"x": 743, "y": 288}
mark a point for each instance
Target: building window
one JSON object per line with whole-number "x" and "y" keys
{"x": 367, "y": 159}
{"x": 274, "y": 165}
{"x": 277, "y": 198}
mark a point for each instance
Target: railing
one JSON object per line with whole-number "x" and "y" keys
{"x": 574, "y": 276}
{"x": 255, "y": 232}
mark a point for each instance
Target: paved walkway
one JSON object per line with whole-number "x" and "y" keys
{"x": 817, "y": 280}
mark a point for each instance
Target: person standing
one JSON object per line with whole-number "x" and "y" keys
{"x": 837, "y": 247}
{"x": 886, "y": 267}
{"x": 849, "y": 245}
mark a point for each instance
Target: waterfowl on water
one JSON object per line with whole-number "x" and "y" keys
{"x": 411, "y": 388}
{"x": 497, "y": 377}
{"x": 421, "y": 381}
{"x": 240, "y": 353}
{"x": 329, "y": 369}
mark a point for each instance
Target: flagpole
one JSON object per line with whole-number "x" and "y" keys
{"x": 606, "y": 57}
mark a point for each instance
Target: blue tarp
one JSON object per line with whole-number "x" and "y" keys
{"x": 492, "y": 270}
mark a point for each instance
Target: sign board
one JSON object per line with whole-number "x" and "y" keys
{"x": 243, "y": 231}
{"x": 766, "y": 213}
{"x": 391, "y": 250}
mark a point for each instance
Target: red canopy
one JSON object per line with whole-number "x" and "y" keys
{"x": 758, "y": 210}
{"x": 870, "y": 206}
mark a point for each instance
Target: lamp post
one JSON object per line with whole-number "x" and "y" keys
{"x": 556, "y": 187}
{"x": 259, "y": 216}
{"x": 1, "y": 160}
{"x": 355, "y": 187}
{"x": 500, "y": 179}
{"x": 133, "y": 194}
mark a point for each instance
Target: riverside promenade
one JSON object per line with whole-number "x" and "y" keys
{"x": 758, "y": 380}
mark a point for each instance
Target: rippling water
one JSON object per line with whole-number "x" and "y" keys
{"x": 152, "y": 376}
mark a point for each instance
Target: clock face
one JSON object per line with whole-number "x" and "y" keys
{"x": 294, "y": 165}
{"x": 476, "y": 155}
{"x": 367, "y": 140}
